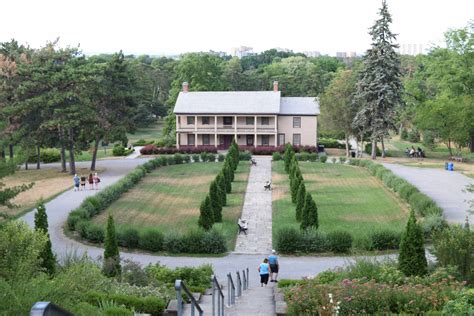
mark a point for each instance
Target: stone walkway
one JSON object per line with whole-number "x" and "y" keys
{"x": 256, "y": 301}
{"x": 257, "y": 211}
{"x": 444, "y": 187}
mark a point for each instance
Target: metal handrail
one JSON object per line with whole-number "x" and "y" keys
{"x": 220, "y": 297}
{"x": 248, "y": 278}
{"x": 179, "y": 285}
{"x": 239, "y": 284}
{"x": 230, "y": 290}
{"x": 244, "y": 281}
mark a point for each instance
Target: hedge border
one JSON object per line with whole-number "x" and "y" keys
{"x": 79, "y": 220}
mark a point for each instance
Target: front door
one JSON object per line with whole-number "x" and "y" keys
{"x": 226, "y": 140}
{"x": 250, "y": 140}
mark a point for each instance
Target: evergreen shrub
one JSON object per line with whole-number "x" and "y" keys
{"x": 178, "y": 159}
{"x": 323, "y": 158}
{"x": 220, "y": 157}
{"x": 196, "y": 158}
{"x": 245, "y": 156}
{"x": 385, "y": 239}
{"x": 340, "y": 241}
{"x": 276, "y": 156}
{"x": 151, "y": 239}
{"x": 128, "y": 237}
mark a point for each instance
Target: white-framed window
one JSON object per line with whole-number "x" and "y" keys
{"x": 205, "y": 120}
{"x": 190, "y": 120}
{"x": 191, "y": 139}
{"x": 297, "y": 139}
{"x": 265, "y": 140}
{"x": 265, "y": 120}
{"x": 249, "y": 120}
{"x": 281, "y": 139}
{"x": 206, "y": 139}
{"x": 227, "y": 120}
{"x": 296, "y": 121}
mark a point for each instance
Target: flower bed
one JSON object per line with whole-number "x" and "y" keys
{"x": 154, "y": 150}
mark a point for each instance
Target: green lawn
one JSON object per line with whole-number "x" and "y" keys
{"x": 348, "y": 198}
{"x": 152, "y": 132}
{"x": 397, "y": 147}
{"x": 169, "y": 200}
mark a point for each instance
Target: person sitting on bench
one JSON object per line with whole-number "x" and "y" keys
{"x": 268, "y": 186}
{"x": 242, "y": 226}
{"x": 253, "y": 162}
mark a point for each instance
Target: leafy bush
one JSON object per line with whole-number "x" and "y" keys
{"x": 333, "y": 159}
{"x": 151, "y": 239}
{"x": 178, "y": 159}
{"x": 276, "y": 156}
{"x": 220, "y": 157}
{"x": 433, "y": 223}
{"x": 332, "y": 143}
{"x": 95, "y": 233}
{"x": 173, "y": 243}
{"x": 461, "y": 304}
{"x": 368, "y": 149}
{"x": 196, "y": 278}
{"x": 213, "y": 242}
{"x": 196, "y": 158}
{"x": 244, "y": 156}
{"x": 128, "y": 237}
{"x": 204, "y": 156}
{"x": 211, "y": 158}
{"x": 323, "y": 158}
{"x": 287, "y": 240}
{"x": 142, "y": 142}
{"x": 187, "y": 159}
{"x": 291, "y": 240}
{"x": 154, "y": 150}
{"x": 313, "y": 157}
{"x": 118, "y": 150}
{"x": 304, "y": 156}
{"x": 148, "y": 304}
{"x": 413, "y": 136}
{"x": 406, "y": 191}
{"x": 342, "y": 159}
{"x": 420, "y": 203}
{"x": 339, "y": 241}
{"x": 385, "y": 239}
{"x": 49, "y": 155}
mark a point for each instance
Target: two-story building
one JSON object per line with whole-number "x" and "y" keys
{"x": 252, "y": 118}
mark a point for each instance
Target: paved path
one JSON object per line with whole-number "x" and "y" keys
{"x": 256, "y": 301}
{"x": 257, "y": 211}
{"x": 135, "y": 154}
{"x": 444, "y": 187}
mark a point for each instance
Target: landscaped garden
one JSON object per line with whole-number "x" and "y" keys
{"x": 348, "y": 199}
{"x": 168, "y": 200}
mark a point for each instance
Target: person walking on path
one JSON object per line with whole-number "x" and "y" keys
{"x": 96, "y": 181}
{"x": 264, "y": 270}
{"x": 90, "y": 179}
{"x": 83, "y": 183}
{"x": 274, "y": 266}
{"x": 77, "y": 181}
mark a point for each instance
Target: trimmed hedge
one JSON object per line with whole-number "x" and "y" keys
{"x": 154, "y": 150}
{"x": 79, "y": 220}
{"x": 419, "y": 202}
{"x": 269, "y": 150}
{"x": 147, "y": 304}
{"x": 385, "y": 239}
{"x": 332, "y": 143}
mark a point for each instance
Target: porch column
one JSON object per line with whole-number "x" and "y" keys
{"x": 235, "y": 124}
{"x": 255, "y": 124}
{"x": 195, "y": 123}
{"x": 255, "y": 140}
{"x": 215, "y": 140}
{"x": 215, "y": 123}
{"x": 177, "y": 140}
{"x": 276, "y": 139}
{"x": 195, "y": 139}
{"x": 276, "y": 121}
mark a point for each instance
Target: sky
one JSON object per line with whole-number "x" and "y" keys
{"x": 166, "y": 27}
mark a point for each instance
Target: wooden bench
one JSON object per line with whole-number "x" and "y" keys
{"x": 457, "y": 158}
{"x": 242, "y": 226}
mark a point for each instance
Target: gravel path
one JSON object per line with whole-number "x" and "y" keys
{"x": 444, "y": 187}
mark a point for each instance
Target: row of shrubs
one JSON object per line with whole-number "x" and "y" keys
{"x": 269, "y": 150}
{"x": 154, "y": 150}
{"x": 332, "y": 143}
{"x": 146, "y": 305}
{"x": 79, "y": 220}
{"x": 292, "y": 240}
{"x": 47, "y": 155}
{"x": 305, "y": 156}
{"x": 120, "y": 150}
{"x": 419, "y": 202}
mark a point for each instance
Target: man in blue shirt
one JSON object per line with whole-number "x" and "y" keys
{"x": 274, "y": 266}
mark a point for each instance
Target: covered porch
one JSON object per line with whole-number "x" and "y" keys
{"x": 223, "y": 141}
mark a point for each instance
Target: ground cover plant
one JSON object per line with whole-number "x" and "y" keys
{"x": 160, "y": 213}
{"x": 351, "y": 204}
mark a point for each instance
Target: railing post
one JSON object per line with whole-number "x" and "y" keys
{"x": 179, "y": 298}
{"x": 229, "y": 302}
{"x": 213, "y": 296}
{"x": 245, "y": 280}
{"x": 239, "y": 284}
{"x": 248, "y": 278}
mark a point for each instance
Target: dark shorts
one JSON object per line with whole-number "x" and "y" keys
{"x": 76, "y": 185}
{"x": 274, "y": 268}
{"x": 264, "y": 278}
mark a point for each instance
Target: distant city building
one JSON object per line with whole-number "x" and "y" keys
{"x": 220, "y": 54}
{"x": 346, "y": 54}
{"x": 411, "y": 49}
{"x": 241, "y": 51}
{"x": 283, "y": 50}
{"x": 312, "y": 54}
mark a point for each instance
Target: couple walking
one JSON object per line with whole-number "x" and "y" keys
{"x": 269, "y": 269}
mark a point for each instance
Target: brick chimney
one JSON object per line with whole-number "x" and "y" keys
{"x": 275, "y": 86}
{"x": 185, "y": 87}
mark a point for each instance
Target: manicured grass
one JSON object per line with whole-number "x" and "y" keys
{"x": 152, "y": 132}
{"x": 169, "y": 199}
{"x": 348, "y": 198}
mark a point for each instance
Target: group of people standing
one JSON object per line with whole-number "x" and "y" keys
{"x": 80, "y": 182}
{"x": 268, "y": 269}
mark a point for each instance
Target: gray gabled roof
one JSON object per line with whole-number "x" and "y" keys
{"x": 299, "y": 106}
{"x": 228, "y": 102}
{"x": 244, "y": 102}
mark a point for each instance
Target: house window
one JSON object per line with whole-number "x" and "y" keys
{"x": 206, "y": 139}
{"x": 281, "y": 139}
{"x": 296, "y": 122}
{"x": 227, "y": 120}
{"x": 250, "y": 140}
{"x": 191, "y": 139}
{"x": 265, "y": 140}
{"x": 205, "y": 120}
{"x": 296, "y": 139}
{"x": 265, "y": 120}
{"x": 249, "y": 120}
{"x": 190, "y": 120}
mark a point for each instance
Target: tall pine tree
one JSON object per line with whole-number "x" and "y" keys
{"x": 222, "y": 187}
{"x": 41, "y": 224}
{"x": 310, "y": 213}
{"x": 379, "y": 88}
{"x": 111, "y": 253}
{"x": 300, "y": 201}
{"x": 412, "y": 259}
{"x": 216, "y": 201}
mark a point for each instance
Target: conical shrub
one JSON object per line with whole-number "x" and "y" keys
{"x": 300, "y": 201}
{"x": 412, "y": 259}
{"x": 206, "y": 218}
